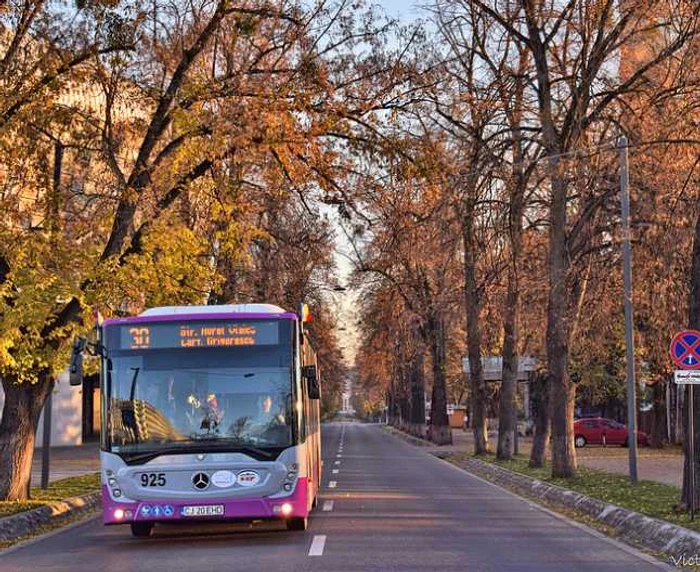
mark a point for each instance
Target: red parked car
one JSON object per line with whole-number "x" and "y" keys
{"x": 599, "y": 431}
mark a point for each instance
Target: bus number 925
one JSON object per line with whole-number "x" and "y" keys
{"x": 152, "y": 479}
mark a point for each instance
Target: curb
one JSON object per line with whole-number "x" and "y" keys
{"x": 632, "y": 527}
{"x": 412, "y": 439}
{"x": 18, "y": 525}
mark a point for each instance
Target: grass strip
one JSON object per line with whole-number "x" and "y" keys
{"x": 58, "y": 490}
{"x": 50, "y": 527}
{"x": 647, "y": 497}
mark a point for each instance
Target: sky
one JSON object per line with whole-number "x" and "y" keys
{"x": 404, "y": 8}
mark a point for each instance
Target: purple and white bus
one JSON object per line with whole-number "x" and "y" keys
{"x": 208, "y": 413}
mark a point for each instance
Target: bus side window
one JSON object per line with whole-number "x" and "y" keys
{"x": 301, "y": 395}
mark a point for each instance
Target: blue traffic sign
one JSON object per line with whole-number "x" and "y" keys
{"x": 685, "y": 349}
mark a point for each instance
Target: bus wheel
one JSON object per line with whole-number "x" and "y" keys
{"x": 141, "y": 529}
{"x": 297, "y": 523}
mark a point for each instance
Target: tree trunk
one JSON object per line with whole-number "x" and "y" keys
{"x": 20, "y": 415}
{"x": 562, "y": 391}
{"x": 439, "y": 423}
{"x": 693, "y": 323}
{"x": 675, "y": 404}
{"x": 507, "y": 416}
{"x": 473, "y": 301}
{"x": 506, "y": 411}
{"x": 391, "y": 406}
{"x": 417, "y": 380}
{"x": 541, "y": 416}
{"x": 659, "y": 426}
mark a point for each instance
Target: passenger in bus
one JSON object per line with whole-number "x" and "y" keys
{"x": 204, "y": 412}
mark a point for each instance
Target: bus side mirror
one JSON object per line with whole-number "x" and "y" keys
{"x": 313, "y": 386}
{"x": 75, "y": 371}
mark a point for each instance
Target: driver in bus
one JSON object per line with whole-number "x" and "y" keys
{"x": 270, "y": 418}
{"x": 269, "y": 415}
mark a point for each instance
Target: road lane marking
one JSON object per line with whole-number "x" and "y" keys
{"x": 337, "y": 462}
{"x": 332, "y": 484}
{"x": 328, "y": 506}
{"x": 336, "y": 471}
{"x": 339, "y": 455}
{"x": 317, "y": 546}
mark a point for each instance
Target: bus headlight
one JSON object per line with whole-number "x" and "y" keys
{"x": 283, "y": 509}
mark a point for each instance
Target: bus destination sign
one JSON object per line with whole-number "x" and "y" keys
{"x": 200, "y": 334}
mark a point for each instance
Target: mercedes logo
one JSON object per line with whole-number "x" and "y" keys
{"x": 200, "y": 481}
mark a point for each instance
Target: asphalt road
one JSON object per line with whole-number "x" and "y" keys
{"x": 386, "y": 505}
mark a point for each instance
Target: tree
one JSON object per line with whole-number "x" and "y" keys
{"x": 412, "y": 253}
{"x": 572, "y": 48}
{"x": 231, "y": 99}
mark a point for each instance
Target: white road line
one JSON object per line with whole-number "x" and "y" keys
{"x": 332, "y": 484}
{"x": 339, "y": 456}
{"x": 317, "y": 546}
{"x": 337, "y": 462}
{"x": 328, "y": 506}
{"x": 335, "y": 471}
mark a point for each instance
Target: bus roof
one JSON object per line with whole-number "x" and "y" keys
{"x": 222, "y": 312}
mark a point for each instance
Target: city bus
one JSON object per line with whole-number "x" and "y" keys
{"x": 208, "y": 413}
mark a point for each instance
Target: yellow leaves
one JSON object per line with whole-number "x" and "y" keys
{"x": 175, "y": 267}
{"x": 43, "y": 278}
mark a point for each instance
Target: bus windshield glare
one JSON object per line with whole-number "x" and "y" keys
{"x": 192, "y": 397}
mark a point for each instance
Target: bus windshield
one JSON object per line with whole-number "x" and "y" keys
{"x": 208, "y": 398}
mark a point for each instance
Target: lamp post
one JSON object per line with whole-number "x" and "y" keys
{"x": 629, "y": 325}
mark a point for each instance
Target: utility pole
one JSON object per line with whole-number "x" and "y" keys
{"x": 54, "y": 227}
{"x": 46, "y": 440}
{"x": 629, "y": 325}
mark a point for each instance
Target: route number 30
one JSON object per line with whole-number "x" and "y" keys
{"x": 152, "y": 479}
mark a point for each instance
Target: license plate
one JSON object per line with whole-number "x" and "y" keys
{"x": 203, "y": 510}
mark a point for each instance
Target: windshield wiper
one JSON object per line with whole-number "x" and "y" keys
{"x": 138, "y": 458}
{"x": 150, "y": 455}
{"x": 255, "y": 450}
{"x": 226, "y": 443}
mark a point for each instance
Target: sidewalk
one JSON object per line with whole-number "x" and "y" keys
{"x": 68, "y": 462}
{"x": 660, "y": 465}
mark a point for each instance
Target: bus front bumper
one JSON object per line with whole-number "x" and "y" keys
{"x": 192, "y": 509}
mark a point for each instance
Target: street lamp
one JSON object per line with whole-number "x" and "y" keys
{"x": 629, "y": 324}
